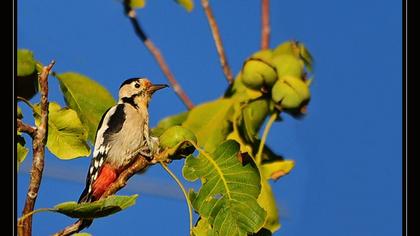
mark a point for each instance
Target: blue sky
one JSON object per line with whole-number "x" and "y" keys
{"x": 348, "y": 149}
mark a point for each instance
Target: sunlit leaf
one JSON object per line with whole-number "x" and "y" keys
{"x": 25, "y": 62}
{"x": 268, "y": 202}
{"x": 97, "y": 209}
{"x": 245, "y": 147}
{"x": 27, "y": 78}
{"x": 228, "y": 195}
{"x": 87, "y": 97}
{"x": 203, "y": 228}
{"x": 187, "y": 4}
{"x": 82, "y": 234}
{"x": 210, "y": 122}
{"x": 22, "y": 151}
{"x": 137, "y": 3}
{"x": 276, "y": 169}
{"x": 272, "y": 168}
{"x": 67, "y": 137}
{"x": 19, "y": 114}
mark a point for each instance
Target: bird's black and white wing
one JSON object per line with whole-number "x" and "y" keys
{"x": 111, "y": 123}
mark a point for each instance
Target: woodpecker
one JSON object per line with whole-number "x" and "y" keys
{"x": 122, "y": 134}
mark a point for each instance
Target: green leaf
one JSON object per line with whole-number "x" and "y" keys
{"x": 97, "y": 209}
{"x": 272, "y": 168}
{"x": 276, "y": 169}
{"x": 229, "y": 190}
{"x": 268, "y": 202}
{"x": 210, "y": 122}
{"x": 167, "y": 123}
{"x": 137, "y": 3}
{"x": 67, "y": 138}
{"x": 22, "y": 151}
{"x": 25, "y": 62}
{"x": 187, "y": 4}
{"x": 245, "y": 147}
{"x": 19, "y": 113}
{"x": 27, "y": 77}
{"x": 203, "y": 228}
{"x": 87, "y": 97}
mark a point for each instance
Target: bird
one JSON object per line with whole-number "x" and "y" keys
{"x": 122, "y": 134}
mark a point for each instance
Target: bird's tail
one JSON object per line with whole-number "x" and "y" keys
{"x": 85, "y": 197}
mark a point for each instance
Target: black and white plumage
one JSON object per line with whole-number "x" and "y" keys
{"x": 122, "y": 134}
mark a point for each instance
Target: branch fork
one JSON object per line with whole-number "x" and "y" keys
{"x": 139, "y": 164}
{"x": 39, "y": 140}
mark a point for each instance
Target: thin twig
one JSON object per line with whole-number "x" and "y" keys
{"x": 38, "y": 147}
{"x": 265, "y": 24}
{"x": 273, "y": 117}
{"x": 25, "y": 128}
{"x": 25, "y": 101}
{"x": 131, "y": 13}
{"x": 181, "y": 186}
{"x": 218, "y": 40}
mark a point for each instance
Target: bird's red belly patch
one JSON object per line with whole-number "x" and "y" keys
{"x": 106, "y": 177}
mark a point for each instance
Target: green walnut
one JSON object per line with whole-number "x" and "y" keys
{"x": 256, "y": 73}
{"x": 297, "y": 49}
{"x": 289, "y": 47}
{"x": 175, "y": 135}
{"x": 288, "y": 64}
{"x": 301, "y": 87}
{"x": 265, "y": 55}
{"x": 290, "y": 92}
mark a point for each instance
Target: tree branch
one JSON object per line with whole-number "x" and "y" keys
{"x": 25, "y": 128}
{"x": 265, "y": 26}
{"x": 38, "y": 147}
{"x": 218, "y": 40}
{"x": 131, "y": 13}
{"x": 138, "y": 165}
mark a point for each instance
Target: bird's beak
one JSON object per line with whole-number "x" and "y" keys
{"x": 155, "y": 87}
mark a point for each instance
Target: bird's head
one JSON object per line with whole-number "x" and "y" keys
{"x": 138, "y": 91}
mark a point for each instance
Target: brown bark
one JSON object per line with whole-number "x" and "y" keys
{"x": 38, "y": 146}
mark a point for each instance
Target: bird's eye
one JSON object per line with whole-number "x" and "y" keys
{"x": 137, "y": 85}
